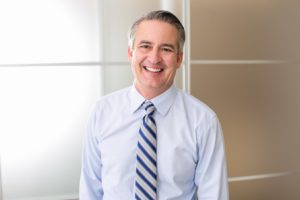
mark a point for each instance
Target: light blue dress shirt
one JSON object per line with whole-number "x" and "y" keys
{"x": 190, "y": 148}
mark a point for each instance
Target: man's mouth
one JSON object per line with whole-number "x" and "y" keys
{"x": 152, "y": 69}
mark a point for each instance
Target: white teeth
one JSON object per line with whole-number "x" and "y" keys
{"x": 153, "y": 69}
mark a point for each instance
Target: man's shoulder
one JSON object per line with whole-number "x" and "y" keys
{"x": 194, "y": 104}
{"x": 119, "y": 97}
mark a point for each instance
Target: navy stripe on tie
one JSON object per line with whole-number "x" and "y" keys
{"x": 149, "y": 129}
{"x": 143, "y": 191}
{"x": 146, "y": 181}
{"x": 146, "y": 167}
{"x": 147, "y": 154}
{"x": 137, "y": 197}
{"x": 152, "y": 120}
{"x": 147, "y": 141}
{"x": 148, "y": 106}
{"x": 151, "y": 113}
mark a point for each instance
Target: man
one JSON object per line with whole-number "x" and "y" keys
{"x": 153, "y": 141}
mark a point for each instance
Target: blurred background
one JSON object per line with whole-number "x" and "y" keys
{"x": 58, "y": 56}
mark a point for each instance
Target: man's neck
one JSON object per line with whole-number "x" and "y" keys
{"x": 150, "y": 93}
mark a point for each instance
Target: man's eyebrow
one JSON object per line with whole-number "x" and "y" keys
{"x": 144, "y": 42}
{"x": 162, "y": 45}
{"x": 168, "y": 45}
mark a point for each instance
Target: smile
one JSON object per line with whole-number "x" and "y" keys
{"x": 151, "y": 69}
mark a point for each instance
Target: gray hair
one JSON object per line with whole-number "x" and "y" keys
{"x": 160, "y": 15}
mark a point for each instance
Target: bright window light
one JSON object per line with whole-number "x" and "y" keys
{"x": 43, "y": 116}
{"x": 43, "y": 31}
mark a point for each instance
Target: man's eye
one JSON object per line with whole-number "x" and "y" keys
{"x": 145, "y": 46}
{"x": 167, "y": 49}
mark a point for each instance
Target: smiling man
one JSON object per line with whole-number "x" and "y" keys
{"x": 152, "y": 140}
{"x": 155, "y": 57}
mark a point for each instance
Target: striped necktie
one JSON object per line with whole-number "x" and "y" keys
{"x": 146, "y": 172}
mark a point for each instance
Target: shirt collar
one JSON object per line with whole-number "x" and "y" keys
{"x": 136, "y": 99}
{"x": 162, "y": 102}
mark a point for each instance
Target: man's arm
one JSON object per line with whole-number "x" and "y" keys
{"x": 91, "y": 180}
{"x": 211, "y": 171}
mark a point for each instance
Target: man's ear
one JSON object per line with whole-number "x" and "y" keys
{"x": 179, "y": 59}
{"x": 129, "y": 53}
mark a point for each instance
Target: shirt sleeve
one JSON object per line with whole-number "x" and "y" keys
{"x": 211, "y": 170}
{"x": 90, "y": 180}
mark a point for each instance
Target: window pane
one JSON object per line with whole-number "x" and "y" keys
{"x": 257, "y": 29}
{"x": 43, "y": 117}
{"x": 258, "y": 106}
{"x": 35, "y": 31}
{"x": 117, "y": 77}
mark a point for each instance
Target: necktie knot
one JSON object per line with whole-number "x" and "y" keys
{"x": 149, "y": 107}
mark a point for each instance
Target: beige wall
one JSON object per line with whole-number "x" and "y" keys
{"x": 245, "y": 65}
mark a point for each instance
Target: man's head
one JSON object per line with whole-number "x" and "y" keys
{"x": 155, "y": 51}
{"x": 160, "y": 15}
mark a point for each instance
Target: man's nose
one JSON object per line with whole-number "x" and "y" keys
{"x": 154, "y": 56}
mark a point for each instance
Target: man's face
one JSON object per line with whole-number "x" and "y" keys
{"x": 154, "y": 57}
